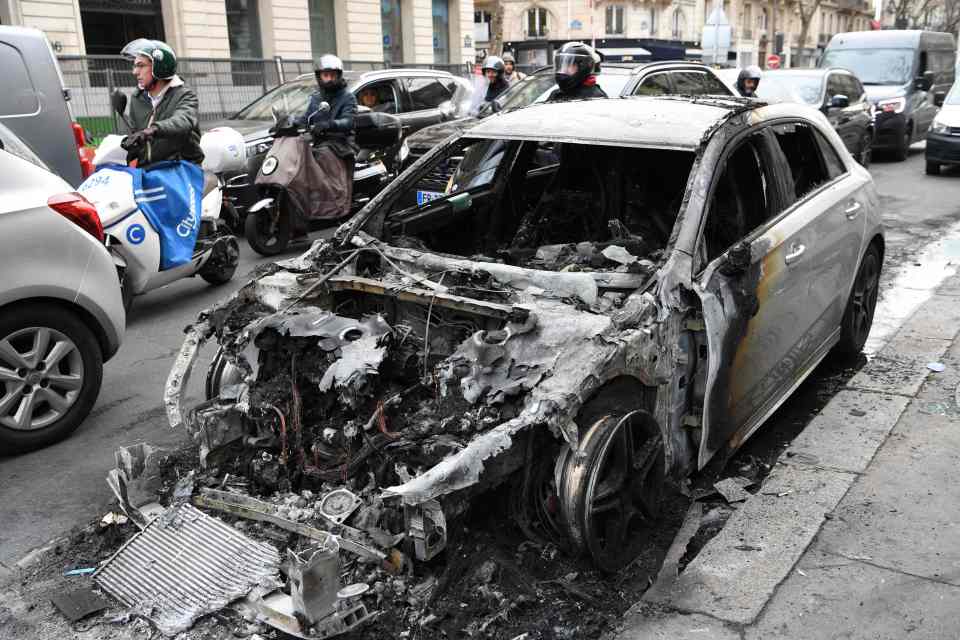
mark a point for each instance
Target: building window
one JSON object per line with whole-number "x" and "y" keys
{"x": 481, "y": 26}
{"x": 323, "y": 28}
{"x": 243, "y": 29}
{"x": 441, "y": 32}
{"x": 536, "y": 23}
{"x": 762, "y": 20}
{"x": 392, "y": 31}
{"x": 679, "y": 23}
{"x": 649, "y": 25}
{"x": 614, "y": 15}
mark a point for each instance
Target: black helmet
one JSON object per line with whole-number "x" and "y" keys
{"x": 330, "y": 62}
{"x": 582, "y": 56}
{"x": 748, "y": 73}
{"x": 495, "y": 63}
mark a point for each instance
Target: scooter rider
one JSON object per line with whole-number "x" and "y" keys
{"x": 336, "y": 124}
{"x": 163, "y": 111}
{"x": 748, "y": 81}
{"x": 575, "y": 67}
{"x": 493, "y": 70}
{"x": 510, "y": 72}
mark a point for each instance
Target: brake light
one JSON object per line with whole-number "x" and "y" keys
{"x": 86, "y": 153}
{"x": 78, "y": 210}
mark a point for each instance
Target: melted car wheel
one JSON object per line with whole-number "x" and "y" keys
{"x": 611, "y": 487}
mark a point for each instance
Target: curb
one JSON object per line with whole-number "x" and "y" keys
{"x": 738, "y": 571}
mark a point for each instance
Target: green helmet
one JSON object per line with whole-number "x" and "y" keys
{"x": 163, "y": 57}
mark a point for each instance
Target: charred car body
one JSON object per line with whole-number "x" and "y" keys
{"x": 606, "y": 294}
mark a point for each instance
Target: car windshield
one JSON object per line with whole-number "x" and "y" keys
{"x": 873, "y": 66}
{"x": 291, "y": 98}
{"x": 953, "y": 97}
{"x": 805, "y": 88}
{"x": 14, "y": 145}
{"x": 525, "y": 93}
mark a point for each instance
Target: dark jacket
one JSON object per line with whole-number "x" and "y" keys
{"x": 494, "y": 89}
{"x": 176, "y": 121}
{"x": 586, "y": 90}
{"x": 339, "y": 120}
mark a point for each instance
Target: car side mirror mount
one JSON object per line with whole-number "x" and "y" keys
{"x": 118, "y": 100}
{"x": 839, "y": 101}
{"x": 460, "y": 202}
{"x": 938, "y": 98}
{"x": 924, "y": 82}
{"x": 737, "y": 260}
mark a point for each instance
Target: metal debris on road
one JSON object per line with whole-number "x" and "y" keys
{"x": 79, "y": 603}
{"x": 733, "y": 489}
{"x": 184, "y": 565}
{"x": 86, "y": 571}
{"x": 937, "y": 367}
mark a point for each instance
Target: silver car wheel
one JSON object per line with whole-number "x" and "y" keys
{"x": 41, "y": 375}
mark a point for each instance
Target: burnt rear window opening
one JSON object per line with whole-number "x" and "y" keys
{"x": 543, "y": 205}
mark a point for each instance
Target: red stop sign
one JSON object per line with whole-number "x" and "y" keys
{"x": 773, "y": 61}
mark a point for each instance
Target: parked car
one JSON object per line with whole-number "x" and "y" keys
{"x": 606, "y": 293}
{"x": 35, "y": 104}
{"x": 616, "y": 79}
{"x": 906, "y": 75}
{"x": 771, "y": 89}
{"x": 61, "y": 311}
{"x": 943, "y": 139}
{"x": 840, "y": 96}
{"x": 418, "y": 97}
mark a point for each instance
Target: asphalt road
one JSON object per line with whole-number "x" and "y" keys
{"x": 45, "y": 493}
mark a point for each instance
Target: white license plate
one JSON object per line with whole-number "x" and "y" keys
{"x": 423, "y": 197}
{"x": 375, "y": 169}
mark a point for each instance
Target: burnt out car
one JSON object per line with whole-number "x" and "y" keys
{"x": 605, "y": 295}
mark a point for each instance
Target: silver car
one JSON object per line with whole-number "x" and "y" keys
{"x": 61, "y": 313}
{"x": 580, "y": 299}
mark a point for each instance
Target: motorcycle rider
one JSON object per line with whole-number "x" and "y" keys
{"x": 575, "y": 67}
{"x": 163, "y": 111}
{"x": 335, "y": 124}
{"x": 493, "y": 70}
{"x": 510, "y": 72}
{"x": 748, "y": 81}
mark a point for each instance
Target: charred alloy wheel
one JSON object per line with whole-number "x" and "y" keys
{"x": 611, "y": 488}
{"x": 858, "y": 316}
{"x": 268, "y": 230}
{"x": 50, "y": 374}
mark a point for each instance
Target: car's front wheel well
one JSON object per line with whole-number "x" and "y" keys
{"x": 623, "y": 393}
{"x": 84, "y": 316}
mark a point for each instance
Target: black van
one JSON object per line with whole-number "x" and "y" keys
{"x": 906, "y": 75}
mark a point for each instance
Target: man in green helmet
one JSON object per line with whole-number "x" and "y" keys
{"x": 163, "y": 111}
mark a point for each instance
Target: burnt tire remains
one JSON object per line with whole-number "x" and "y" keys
{"x": 610, "y": 489}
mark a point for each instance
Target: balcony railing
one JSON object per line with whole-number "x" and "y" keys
{"x": 541, "y": 34}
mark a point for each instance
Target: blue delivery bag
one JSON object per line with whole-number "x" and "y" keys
{"x": 169, "y": 194}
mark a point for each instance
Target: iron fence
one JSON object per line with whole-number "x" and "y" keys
{"x": 223, "y": 86}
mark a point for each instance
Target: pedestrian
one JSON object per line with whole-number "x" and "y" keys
{"x": 164, "y": 112}
{"x": 510, "y": 72}
{"x": 748, "y": 81}
{"x": 575, "y": 67}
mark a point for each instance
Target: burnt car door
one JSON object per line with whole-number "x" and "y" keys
{"x": 752, "y": 285}
{"x": 423, "y": 97}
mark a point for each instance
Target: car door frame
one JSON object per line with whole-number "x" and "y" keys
{"x": 412, "y": 121}
{"x": 725, "y": 335}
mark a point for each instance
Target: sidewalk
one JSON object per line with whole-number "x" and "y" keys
{"x": 856, "y": 533}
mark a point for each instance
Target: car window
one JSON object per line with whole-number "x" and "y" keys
{"x": 741, "y": 200}
{"x": 831, "y": 157}
{"x": 697, "y": 83}
{"x": 19, "y": 95}
{"x": 426, "y": 93}
{"x": 836, "y": 86}
{"x": 524, "y": 93}
{"x": 291, "y": 98}
{"x": 656, "y": 84}
{"x": 14, "y": 145}
{"x": 378, "y": 96}
{"x": 804, "y": 156}
{"x": 856, "y": 89}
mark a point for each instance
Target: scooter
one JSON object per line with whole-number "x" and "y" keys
{"x": 271, "y": 222}
{"x": 131, "y": 237}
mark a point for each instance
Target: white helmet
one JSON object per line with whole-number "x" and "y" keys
{"x": 329, "y": 62}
